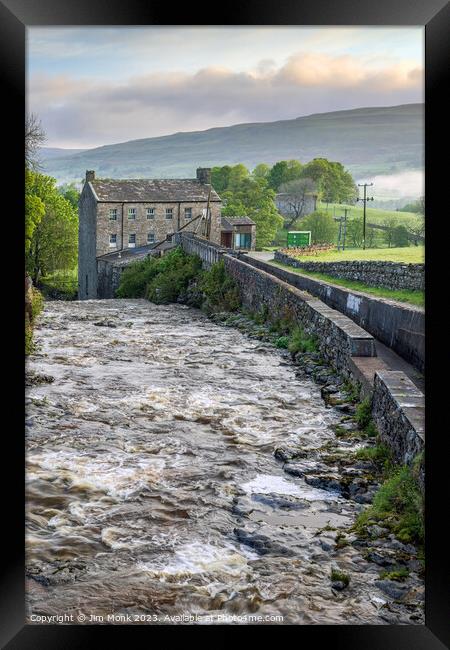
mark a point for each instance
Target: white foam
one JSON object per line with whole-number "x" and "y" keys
{"x": 198, "y": 557}
{"x": 272, "y": 484}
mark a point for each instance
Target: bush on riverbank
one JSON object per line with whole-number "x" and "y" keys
{"x": 219, "y": 290}
{"x": 160, "y": 279}
{"x": 398, "y": 505}
{"x": 37, "y": 302}
{"x": 178, "y": 277}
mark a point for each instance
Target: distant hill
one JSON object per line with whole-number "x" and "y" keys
{"x": 47, "y": 153}
{"x": 368, "y": 141}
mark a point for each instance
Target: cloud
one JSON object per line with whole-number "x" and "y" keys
{"x": 81, "y": 112}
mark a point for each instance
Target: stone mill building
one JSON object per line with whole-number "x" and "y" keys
{"x": 127, "y": 219}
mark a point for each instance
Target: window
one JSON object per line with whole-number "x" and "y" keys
{"x": 113, "y": 214}
{"x": 150, "y": 213}
{"x": 242, "y": 240}
{"x": 112, "y": 241}
{"x": 131, "y": 241}
{"x": 150, "y": 238}
{"x": 132, "y": 213}
{"x": 169, "y": 213}
{"x": 188, "y": 213}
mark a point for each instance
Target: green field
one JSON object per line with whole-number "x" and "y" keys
{"x": 373, "y": 215}
{"x": 408, "y": 254}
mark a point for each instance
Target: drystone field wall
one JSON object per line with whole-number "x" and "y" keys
{"x": 398, "y": 325}
{"x": 390, "y": 275}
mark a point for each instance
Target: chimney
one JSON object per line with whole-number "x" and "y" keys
{"x": 204, "y": 175}
{"x": 90, "y": 175}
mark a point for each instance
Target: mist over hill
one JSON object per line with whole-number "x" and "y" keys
{"x": 368, "y": 141}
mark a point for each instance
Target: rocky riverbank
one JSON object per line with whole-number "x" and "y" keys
{"x": 179, "y": 467}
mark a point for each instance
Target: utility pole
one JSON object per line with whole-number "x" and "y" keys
{"x": 365, "y": 199}
{"x": 342, "y": 229}
{"x": 345, "y": 227}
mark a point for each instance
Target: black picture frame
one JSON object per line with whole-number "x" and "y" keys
{"x": 15, "y": 16}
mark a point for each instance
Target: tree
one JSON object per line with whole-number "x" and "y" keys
{"x": 261, "y": 172}
{"x": 34, "y": 212}
{"x": 283, "y": 172}
{"x": 389, "y": 225}
{"x": 71, "y": 193}
{"x": 253, "y": 199}
{"x": 34, "y": 139}
{"x": 220, "y": 177}
{"x": 417, "y": 229}
{"x": 228, "y": 177}
{"x": 400, "y": 236}
{"x": 53, "y": 244}
{"x": 322, "y": 226}
{"x": 355, "y": 232}
{"x": 294, "y": 196}
{"x": 334, "y": 183}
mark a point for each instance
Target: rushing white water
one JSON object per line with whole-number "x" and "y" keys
{"x": 151, "y": 477}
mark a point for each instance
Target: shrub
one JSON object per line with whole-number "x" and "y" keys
{"x": 219, "y": 290}
{"x": 169, "y": 285}
{"x": 282, "y": 342}
{"x": 136, "y": 277}
{"x": 364, "y": 412}
{"x": 301, "y": 342}
{"x": 399, "y": 505}
{"x": 37, "y": 302}
{"x": 339, "y": 576}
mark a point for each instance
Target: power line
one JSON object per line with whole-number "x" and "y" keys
{"x": 364, "y": 200}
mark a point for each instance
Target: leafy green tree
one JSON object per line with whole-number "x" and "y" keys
{"x": 261, "y": 172}
{"x": 354, "y": 233}
{"x": 238, "y": 175}
{"x": 54, "y": 242}
{"x": 34, "y": 212}
{"x": 417, "y": 229}
{"x": 71, "y": 193}
{"x": 322, "y": 226}
{"x": 283, "y": 172}
{"x": 400, "y": 236}
{"x": 334, "y": 183}
{"x": 389, "y": 224}
{"x": 220, "y": 177}
{"x": 253, "y": 199}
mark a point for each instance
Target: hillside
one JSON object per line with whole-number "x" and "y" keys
{"x": 367, "y": 141}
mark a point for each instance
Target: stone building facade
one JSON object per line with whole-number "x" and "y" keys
{"x": 119, "y": 215}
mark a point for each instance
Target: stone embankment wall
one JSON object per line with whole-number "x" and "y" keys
{"x": 398, "y": 409}
{"x": 338, "y": 337}
{"x": 398, "y": 325}
{"x": 390, "y": 275}
{"x": 397, "y": 405}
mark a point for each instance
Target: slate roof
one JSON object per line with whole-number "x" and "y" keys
{"x": 152, "y": 190}
{"x": 228, "y": 223}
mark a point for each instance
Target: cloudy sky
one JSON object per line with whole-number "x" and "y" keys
{"x": 92, "y": 86}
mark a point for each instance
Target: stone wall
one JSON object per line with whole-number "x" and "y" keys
{"x": 141, "y": 226}
{"x": 399, "y": 326}
{"x": 209, "y": 252}
{"x": 398, "y": 410}
{"x": 390, "y": 275}
{"x": 338, "y": 337}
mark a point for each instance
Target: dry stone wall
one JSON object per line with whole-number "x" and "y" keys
{"x": 390, "y": 275}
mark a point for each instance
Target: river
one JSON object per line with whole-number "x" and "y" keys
{"x": 153, "y": 492}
